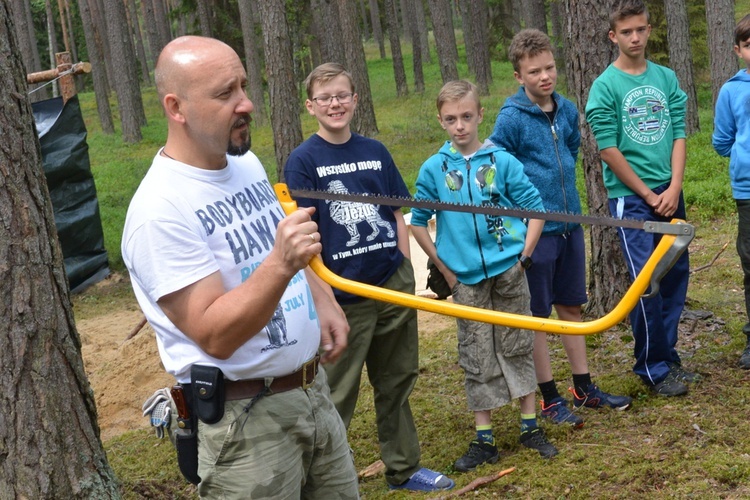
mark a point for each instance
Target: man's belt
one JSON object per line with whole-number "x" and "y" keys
{"x": 245, "y": 389}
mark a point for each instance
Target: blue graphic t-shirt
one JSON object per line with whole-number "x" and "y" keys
{"x": 359, "y": 239}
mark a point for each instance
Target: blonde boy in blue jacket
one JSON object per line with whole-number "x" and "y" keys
{"x": 482, "y": 258}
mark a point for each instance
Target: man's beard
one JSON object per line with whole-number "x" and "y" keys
{"x": 244, "y": 146}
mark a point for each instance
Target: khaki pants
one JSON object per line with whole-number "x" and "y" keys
{"x": 384, "y": 337}
{"x": 289, "y": 445}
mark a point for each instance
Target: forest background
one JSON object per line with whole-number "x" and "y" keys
{"x": 695, "y": 446}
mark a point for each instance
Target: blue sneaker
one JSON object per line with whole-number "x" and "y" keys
{"x": 425, "y": 480}
{"x": 558, "y": 412}
{"x": 597, "y": 398}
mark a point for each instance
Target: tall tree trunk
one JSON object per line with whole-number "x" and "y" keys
{"x": 52, "y": 46}
{"x": 558, "y": 35}
{"x": 589, "y": 52}
{"x": 681, "y": 58}
{"x": 130, "y": 104}
{"x": 325, "y": 13}
{"x": 50, "y": 435}
{"x": 467, "y": 28}
{"x": 377, "y": 29}
{"x": 163, "y": 25}
{"x": 152, "y": 31}
{"x": 410, "y": 18}
{"x": 445, "y": 38}
{"x": 720, "y": 20}
{"x": 363, "y": 121}
{"x": 534, "y": 15}
{"x": 478, "y": 17}
{"x": 252, "y": 62}
{"x": 204, "y": 17}
{"x": 30, "y": 52}
{"x": 98, "y": 71}
{"x": 135, "y": 30}
{"x": 100, "y": 31}
{"x": 282, "y": 89}
{"x": 391, "y": 23}
{"x": 363, "y": 15}
{"x": 424, "y": 39}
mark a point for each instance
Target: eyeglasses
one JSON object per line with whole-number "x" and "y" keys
{"x": 327, "y": 100}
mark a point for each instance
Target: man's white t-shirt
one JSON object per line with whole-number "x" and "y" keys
{"x": 185, "y": 223}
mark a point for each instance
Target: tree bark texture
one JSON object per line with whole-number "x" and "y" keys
{"x": 325, "y": 13}
{"x": 424, "y": 39}
{"x": 30, "y": 52}
{"x": 129, "y": 100}
{"x": 100, "y": 31}
{"x": 204, "y": 17}
{"x": 720, "y": 20}
{"x": 589, "y": 52}
{"x": 365, "y": 20}
{"x": 282, "y": 89}
{"x": 681, "y": 58}
{"x": 49, "y": 435}
{"x": 135, "y": 29}
{"x": 252, "y": 62}
{"x": 363, "y": 121}
{"x": 98, "y": 70}
{"x": 161, "y": 16}
{"x": 558, "y": 34}
{"x": 391, "y": 23}
{"x": 51, "y": 42}
{"x": 534, "y": 15}
{"x": 152, "y": 31}
{"x": 410, "y": 18}
{"x": 377, "y": 29}
{"x": 478, "y": 16}
{"x": 445, "y": 39}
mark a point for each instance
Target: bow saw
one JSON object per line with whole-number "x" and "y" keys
{"x": 677, "y": 235}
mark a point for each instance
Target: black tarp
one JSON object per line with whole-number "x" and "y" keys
{"x": 65, "y": 155}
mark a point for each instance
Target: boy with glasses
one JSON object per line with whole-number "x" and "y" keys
{"x": 367, "y": 243}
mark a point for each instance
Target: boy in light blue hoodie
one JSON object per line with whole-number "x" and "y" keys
{"x": 483, "y": 258}
{"x": 732, "y": 138}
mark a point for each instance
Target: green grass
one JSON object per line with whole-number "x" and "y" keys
{"x": 690, "y": 447}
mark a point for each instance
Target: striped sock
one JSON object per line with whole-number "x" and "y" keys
{"x": 484, "y": 434}
{"x": 528, "y": 421}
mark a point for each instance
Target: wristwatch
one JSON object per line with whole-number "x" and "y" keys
{"x": 525, "y": 261}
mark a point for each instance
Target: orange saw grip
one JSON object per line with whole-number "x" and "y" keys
{"x": 626, "y": 304}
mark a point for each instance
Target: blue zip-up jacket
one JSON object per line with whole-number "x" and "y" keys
{"x": 474, "y": 246}
{"x": 548, "y": 150}
{"x": 732, "y": 131}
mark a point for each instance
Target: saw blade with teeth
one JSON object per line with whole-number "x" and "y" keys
{"x": 396, "y": 201}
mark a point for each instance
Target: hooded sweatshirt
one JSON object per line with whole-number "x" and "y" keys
{"x": 548, "y": 150}
{"x": 732, "y": 131}
{"x": 475, "y": 246}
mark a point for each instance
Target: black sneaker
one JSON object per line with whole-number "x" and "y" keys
{"x": 683, "y": 375}
{"x": 670, "y": 386}
{"x": 536, "y": 440}
{"x": 479, "y": 453}
{"x": 745, "y": 358}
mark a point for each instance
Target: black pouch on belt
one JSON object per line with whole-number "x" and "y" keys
{"x": 207, "y": 384}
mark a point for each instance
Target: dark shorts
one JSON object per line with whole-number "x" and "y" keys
{"x": 558, "y": 275}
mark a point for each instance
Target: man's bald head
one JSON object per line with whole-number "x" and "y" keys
{"x": 179, "y": 63}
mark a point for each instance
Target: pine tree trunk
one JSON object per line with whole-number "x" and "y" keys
{"x": 252, "y": 62}
{"x": 681, "y": 58}
{"x": 364, "y": 117}
{"x": 49, "y": 434}
{"x": 589, "y": 52}
{"x": 391, "y": 22}
{"x": 410, "y": 18}
{"x": 98, "y": 70}
{"x": 377, "y": 29}
{"x": 445, "y": 39}
{"x": 720, "y": 20}
{"x": 534, "y": 15}
{"x": 282, "y": 89}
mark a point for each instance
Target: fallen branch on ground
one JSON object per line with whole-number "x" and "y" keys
{"x": 373, "y": 469}
{"x": 137, "y": 329}
{"x": 706, "y": 266}
{"x": 480, "y": 481}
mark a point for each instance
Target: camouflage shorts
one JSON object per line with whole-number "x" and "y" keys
{"x": 497, "y": 360}
{"x": 288, "y": 445}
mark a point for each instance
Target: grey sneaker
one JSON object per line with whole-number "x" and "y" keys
{"x": 670, "y": 387}
{"x": 745, "y": 357}
{"x": 683, "y": 375}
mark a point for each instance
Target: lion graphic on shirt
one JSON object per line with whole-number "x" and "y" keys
{"x": 349, "y": 214}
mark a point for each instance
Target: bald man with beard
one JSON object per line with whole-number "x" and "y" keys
{"x": 213, "y": 263}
